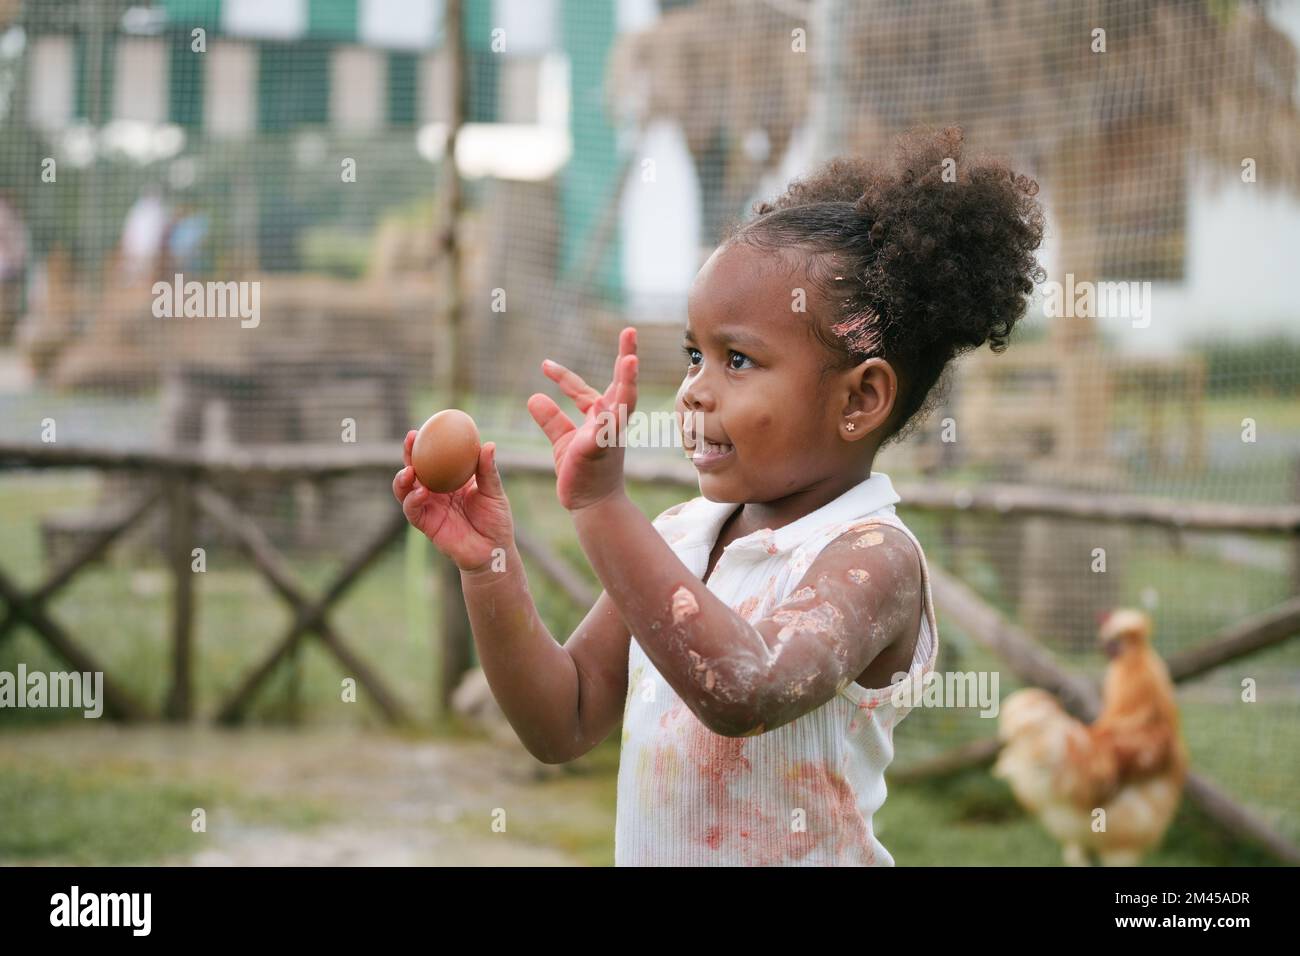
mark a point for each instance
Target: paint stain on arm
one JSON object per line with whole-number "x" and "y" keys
{"x": 869, "y": 540}
{"x": 684, "y": 606}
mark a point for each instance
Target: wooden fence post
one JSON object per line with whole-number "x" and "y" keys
{"x": 180, "y": 544}
{"x": 456, "y": 632}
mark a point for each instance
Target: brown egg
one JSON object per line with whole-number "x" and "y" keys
{"x": 446, "y": 449}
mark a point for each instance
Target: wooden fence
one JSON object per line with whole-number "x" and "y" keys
{"x": 186, "y": 485}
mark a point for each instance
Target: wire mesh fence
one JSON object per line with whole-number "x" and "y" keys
{"x": 221, "y": 229}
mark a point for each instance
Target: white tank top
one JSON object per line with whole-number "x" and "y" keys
{"x": 801, "y": 795}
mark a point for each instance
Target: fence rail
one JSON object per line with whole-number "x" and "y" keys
{"x": 320, "y": 462}
{"x": 184, "y": 482}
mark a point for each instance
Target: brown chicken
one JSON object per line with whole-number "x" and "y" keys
{"x": 1131, "y": 762}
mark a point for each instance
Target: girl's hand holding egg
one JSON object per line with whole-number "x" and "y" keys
{"x": 450, "y": 489}
{"x": 446, "y": 449}
{"x": 589, "y": 457}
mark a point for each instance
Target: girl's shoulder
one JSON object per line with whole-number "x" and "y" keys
{"x": 676, "y": 509}
{"x": 870, "y": 529}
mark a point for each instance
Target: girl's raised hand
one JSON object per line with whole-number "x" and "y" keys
{"x": 467, "y": 524}
{"x": 589, "y": 457}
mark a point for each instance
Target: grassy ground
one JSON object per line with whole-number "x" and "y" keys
{"x": 65, "y": 800}
{"x": 319, "y": 795}
{"x": 333, "y": 796}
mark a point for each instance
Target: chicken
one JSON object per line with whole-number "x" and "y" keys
{"x": 1131, "y": 762}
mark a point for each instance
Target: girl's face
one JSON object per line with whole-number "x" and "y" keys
{"x": 754, "y": 387}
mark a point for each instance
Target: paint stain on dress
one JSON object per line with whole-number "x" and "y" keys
{"x": 834, "y": 820}
{"x": 667, "y": 770}
{"x": 738, "y": 824}
{"x": 673, "y": 714}
{"x": 718, "y": 759}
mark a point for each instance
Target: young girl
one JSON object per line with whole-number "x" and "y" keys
{"x": 755, "y": 641}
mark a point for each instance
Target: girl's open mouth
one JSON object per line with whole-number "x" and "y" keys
{"x": 708, "y": 454}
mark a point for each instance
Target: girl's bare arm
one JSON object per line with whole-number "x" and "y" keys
{"x": 739, "y": 678}
{"x": 561, "y": 700}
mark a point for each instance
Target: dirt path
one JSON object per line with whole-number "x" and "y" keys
{"x": 392, "y": 801}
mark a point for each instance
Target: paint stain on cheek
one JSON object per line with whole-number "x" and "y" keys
{"x": 684, "y": 606}
{"x": 859, "y": 575}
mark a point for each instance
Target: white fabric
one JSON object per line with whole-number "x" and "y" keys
{"x": 801, "y": 795}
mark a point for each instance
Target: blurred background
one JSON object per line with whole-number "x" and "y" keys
{"x": 304, "y": 149}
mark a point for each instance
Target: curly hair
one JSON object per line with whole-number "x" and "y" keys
{"x": 917, "y": 263}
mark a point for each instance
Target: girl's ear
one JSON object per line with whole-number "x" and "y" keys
{"x": 871, "y": 393}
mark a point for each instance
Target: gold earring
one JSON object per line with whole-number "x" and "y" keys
{"x": 850, "y": 426}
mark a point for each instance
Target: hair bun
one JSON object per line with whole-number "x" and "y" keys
{"x": 939, "y": 251}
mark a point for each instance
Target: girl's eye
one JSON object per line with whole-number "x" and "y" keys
{"x": 691, "y": 352}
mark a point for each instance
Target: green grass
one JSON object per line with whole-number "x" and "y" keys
{"x": 573, "y": 812}
{"x": 119, "y": 812}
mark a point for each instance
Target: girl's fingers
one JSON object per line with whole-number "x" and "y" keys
{"x": 626, "y": 394}
{"x": 549, "y": 417}
{"x": 406, "y": 447}
{"x": 489, "y": 479}
{"x": 626, "y": 346}
{"x": 571, "y": 384}
{"x": 403, "y": 483}
{"x": 413, "y": 505}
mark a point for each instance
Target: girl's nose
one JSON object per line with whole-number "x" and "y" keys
{"x": 693, "y": 397}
